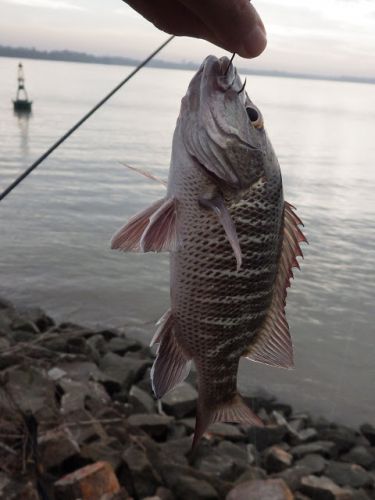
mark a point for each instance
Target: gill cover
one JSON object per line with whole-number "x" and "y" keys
{"x": 216, "y": 128}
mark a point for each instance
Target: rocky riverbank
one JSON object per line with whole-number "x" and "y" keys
{"x": 78, "y": 420}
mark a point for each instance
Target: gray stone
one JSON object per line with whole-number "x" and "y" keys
{"x": 269, "y": 489}
{"x": 293, "y": 476}
{"x": 250, "y": 474}
{"x": 352, "y": 475}
{"x": 24, "y": 325}
{"x": 226, "y": 462}
{"x": 275, "y": 459}
{"x": 360, "y": 455}
{"x": 324, "y": 448}
{"x": 177, "y": 450}
{"x": 121, "y": 345}
{"x": 343, "y": 437}
{"x": 98, "y": 344}
{"x": 141, "y": 401}
{"x": 155, "y": 425}
{"x": 109, "y": 450}
{"x": 144, "y": 477}
{"x": 190, "y": 488}
{"x": 226, "y": 431}
{"x": 38, "y": 398}
{"x": 263, "y": 437}
{"x": 314, "y": 463}
{"x": 181, "y": 401}
{"x": 124, "y": 370}
{"x": 172, "y": 472}
{"x": 368, "y": 431}
{"x": 55, "y": 446}
{"x": 323, "y": 488}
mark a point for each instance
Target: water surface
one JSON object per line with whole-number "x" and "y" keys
{"x": 55, "y": 227}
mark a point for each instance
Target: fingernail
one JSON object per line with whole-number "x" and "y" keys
{"x": 255, "y": 42}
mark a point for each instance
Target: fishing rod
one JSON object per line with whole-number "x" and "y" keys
{"x": 81, "y": 121}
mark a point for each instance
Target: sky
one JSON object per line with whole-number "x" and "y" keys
{"x": 330, "y": 37}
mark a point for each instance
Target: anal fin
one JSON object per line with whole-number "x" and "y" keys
{"x": 171, "y": 365}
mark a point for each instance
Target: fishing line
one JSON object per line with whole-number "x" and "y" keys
{"x": 81, "y": 121}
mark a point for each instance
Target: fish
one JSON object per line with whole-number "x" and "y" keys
{"x": 233, "y": 242}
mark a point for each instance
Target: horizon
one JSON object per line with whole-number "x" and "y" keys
{"x": 326, "y": 37}
{"x": 159, "y": 62}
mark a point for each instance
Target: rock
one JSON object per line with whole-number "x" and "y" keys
{"x": 324, "y": 448}
{"x": 190, "y": 488}
{"x": 141, "y": 401}
{"x": 314, "y": 463}
{"x": 360, "y": 455}
{"x": 275, "y": 459}
{"x": 368, "y": 431}
{"x": 33, "y": 391}
{"x": 121, "y": 345}
{"x": 269, "y": 489}
{"x": 323, "y": 488}
{"x": 144, "y": 478}
{"x": 55, "y": 446}
{"x": 250, "y": 474}
{"x": 24, "y": 325}
{"x": 171, "y": 474}
{"x": 352, "y": 475}
{"x": 263, "y": 437}
{"x": 164, "y": 493}
{"x": 98, "y": 344}
{"x": 124, "y": 370}
{"x": 226, "y": 431}
{"x": 252, "y": 454}
{"x": 88, "y": 483}
{"x": 155, "y": 425}
{"x": 343, "y": 437}
{"x": 189, "y": 424}
{"x": 177, "y": 450}
{"x": 181, "y": 401}
{"x": 293, "y": 476}
{"x": 109, "y": 450}
{"x": 38, "y": 317}
{"x": 227, "y": 461}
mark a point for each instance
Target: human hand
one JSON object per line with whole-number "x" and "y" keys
{"x": 233, "y": 25}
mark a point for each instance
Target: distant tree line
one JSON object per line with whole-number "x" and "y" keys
{"x": 82, "y": 57}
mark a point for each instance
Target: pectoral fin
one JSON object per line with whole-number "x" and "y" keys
{"x": 152, "y": 230}
{"x": 217, "y": 205}
{"x": 272, "y": 344}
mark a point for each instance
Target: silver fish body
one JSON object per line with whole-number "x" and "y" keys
{"x": 232, "y": 241}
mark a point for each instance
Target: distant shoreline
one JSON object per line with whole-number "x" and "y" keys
{"x": 81, "y": 57}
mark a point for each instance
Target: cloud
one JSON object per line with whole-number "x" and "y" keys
{"x": 47, "y": 4}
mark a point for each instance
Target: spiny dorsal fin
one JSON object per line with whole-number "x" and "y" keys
{"x": 152, "y": 230}
{"x": 272, "y": 344}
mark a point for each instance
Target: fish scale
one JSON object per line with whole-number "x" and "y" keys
{"x": 233, "y": 242}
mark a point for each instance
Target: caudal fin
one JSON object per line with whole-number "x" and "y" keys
{"x": 235, "y": 410}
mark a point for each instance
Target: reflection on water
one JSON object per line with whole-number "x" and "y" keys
{"x": 23, "y": 118}
{"x": 56, "y": 226}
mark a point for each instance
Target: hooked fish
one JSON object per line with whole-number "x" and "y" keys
{"x": 233, "y": 241}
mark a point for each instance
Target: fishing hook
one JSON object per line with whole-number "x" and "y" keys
{"x": 230, "y": 62}
{"x": 242, "y": 88}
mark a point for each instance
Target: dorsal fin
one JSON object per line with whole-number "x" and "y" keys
{"x": 272, "y": 344}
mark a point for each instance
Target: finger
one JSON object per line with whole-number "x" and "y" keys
{"x": 172, "y": 17}
{"x": 235, "y": 24}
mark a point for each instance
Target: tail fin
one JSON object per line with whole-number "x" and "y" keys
{"x": 234, "y": 410}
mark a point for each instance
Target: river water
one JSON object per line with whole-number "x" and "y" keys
{"x": 56, "y": 226}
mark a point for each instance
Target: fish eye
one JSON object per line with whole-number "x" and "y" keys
{"x": 254, "y": 117}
